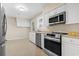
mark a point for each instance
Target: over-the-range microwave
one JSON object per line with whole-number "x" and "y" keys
{"x": 58, "y": 18}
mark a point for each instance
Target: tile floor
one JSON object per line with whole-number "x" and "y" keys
{"x": 22, "y": 48}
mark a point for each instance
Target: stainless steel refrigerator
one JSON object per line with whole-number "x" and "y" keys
{"x": 3, "y": 29}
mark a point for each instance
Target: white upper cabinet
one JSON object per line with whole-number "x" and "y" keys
{"x": 52, "y": 13}
{"x": 57, "y": 10}
{"x": 72, "y": 11}
{"x": 60, "y": 9}
{"x": 72, "y": 14}
{"x": 40, "y": 22}
{"x": 46, "y": 20}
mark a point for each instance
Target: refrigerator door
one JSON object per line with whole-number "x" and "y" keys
{"x": 0, "y": 24}
{"x": 3, "y": 25}
{"x": 2, "y": 49}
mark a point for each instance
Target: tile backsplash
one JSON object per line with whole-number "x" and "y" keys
{"x": 65, "y": 28}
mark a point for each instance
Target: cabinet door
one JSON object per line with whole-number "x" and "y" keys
{"x": 61, "y": 9}
{"x": 32, "y": 37}
{"x": 74, "y": 50}
{"x": 72, "y": 13}
{"x": 52, "y": 13}
{"x": 57, "y": 10}
{"x": 40, "y": 22}
{"x": 66, "y": 47}
{"x": 70, "y": 46}
{"x": 46, "y": 20}
{"x": 70, "y": 50}
{"x": 42, "y": 40}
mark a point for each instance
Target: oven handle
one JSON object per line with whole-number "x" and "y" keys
{"x": 53, "y": 39}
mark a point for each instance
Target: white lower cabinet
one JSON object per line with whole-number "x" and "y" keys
{"x": 32, "y": 37}
{"x": 42, "y": 40}
{"x": 70, "y": 46}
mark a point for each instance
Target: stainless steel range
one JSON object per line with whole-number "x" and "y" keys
{"x": 52, "y": 44}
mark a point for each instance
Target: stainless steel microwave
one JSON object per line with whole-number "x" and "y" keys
{"x": 58, "y": 18}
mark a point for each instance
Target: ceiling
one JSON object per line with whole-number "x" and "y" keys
{"x": 33, "y": 9}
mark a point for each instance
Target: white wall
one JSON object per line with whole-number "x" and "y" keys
{"x": 14, "y": 32}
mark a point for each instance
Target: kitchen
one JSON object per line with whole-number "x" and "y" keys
{"x": 53, "y": 30}
{"x": 67, "y": 23}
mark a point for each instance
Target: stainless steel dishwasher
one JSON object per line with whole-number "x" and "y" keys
{"x": 38, "y": 39}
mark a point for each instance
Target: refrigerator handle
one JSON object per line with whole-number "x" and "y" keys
{"x": 3, "y": 45}
{"x": 4, "y": 25}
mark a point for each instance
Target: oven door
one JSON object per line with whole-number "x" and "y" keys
{"x": 52, "y": 46}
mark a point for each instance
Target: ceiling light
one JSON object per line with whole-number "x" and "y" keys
{"x": 22, "y": 8}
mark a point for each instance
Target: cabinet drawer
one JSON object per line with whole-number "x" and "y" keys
{"x": 66, "y": 40}
{"x": 70, "y": 50}
{"x": 70, "y": 40}
{"x": 75, "y": 41}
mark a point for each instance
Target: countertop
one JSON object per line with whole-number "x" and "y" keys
{"x": 40, "y": 32}
{"x": 75, "y": 37}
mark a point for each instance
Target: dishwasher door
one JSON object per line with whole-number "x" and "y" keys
{"x": 38, "y": 39}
